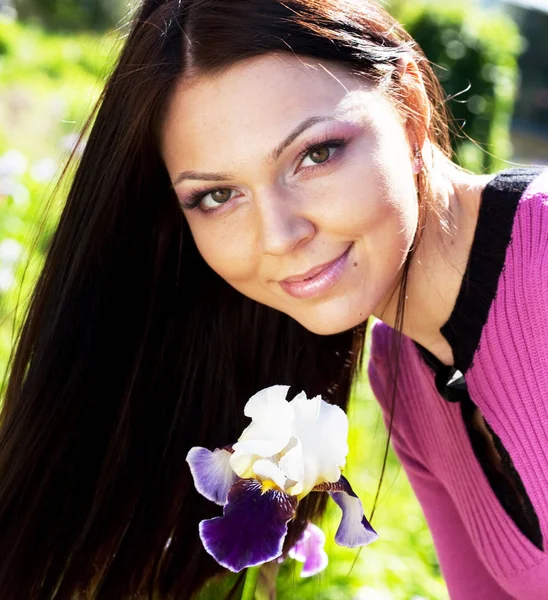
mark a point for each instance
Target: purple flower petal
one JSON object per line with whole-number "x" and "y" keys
{"x": 213, "y": 476}
{"x": 354, "y": 529}
{"x": 309, "y": 550}
{"x": 253, "y": 527}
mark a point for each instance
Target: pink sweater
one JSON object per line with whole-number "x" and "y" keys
{"x": 482, "y": 553}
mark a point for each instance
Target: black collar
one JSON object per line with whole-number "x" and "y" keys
{"x": 492, "y": 236}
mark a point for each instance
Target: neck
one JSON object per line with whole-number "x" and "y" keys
{"x": 439, "y": 262}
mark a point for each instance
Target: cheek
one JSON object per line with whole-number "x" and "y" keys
{"x": 374, "y": 184}
{"x": 228, "y": 253}
{"x": 395, "y": 202}
{"x": 366, "y": 203}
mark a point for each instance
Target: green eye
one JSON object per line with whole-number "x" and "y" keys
{"x": 320, "y": 154}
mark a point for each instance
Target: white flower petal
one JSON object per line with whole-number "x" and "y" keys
{"x": 259, "y": 447}
{"x": 267, "y": 470}
{"x": 242, "y": 463}
{"x": 322, "y": 429}
{"x": 270, "y": 430}
{"x": 272, "y": 399}
{"x": 292, "y": 465}
{"x": 298, "y": 444}
{"x": 271, "y": 415}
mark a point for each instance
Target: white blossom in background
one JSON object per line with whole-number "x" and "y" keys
{"x": 7, "y": 11}
{"x": 10, "y": 251}
{"x": 57, "y": 108}
{"x": 16, "y": 190}
{"x": 369, "y": 593}
{"x": 13, "y": 164}
{"x": 43, "y": 170}
{"x": 7, "y": 279}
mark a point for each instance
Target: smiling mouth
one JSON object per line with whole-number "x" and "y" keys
{"x": 317, "y": 280}
{"x": 311, "y": 273}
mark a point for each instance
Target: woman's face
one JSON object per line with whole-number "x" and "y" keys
{"x": 308, "y": 202}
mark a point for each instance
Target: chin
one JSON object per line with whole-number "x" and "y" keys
{"x": 329, "y": 326}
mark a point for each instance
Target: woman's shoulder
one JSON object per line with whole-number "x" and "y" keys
{"x": 534, "y": 203}
{"x": 527, "y": 181}
{"x": 515, "y": 206}
{"x": 530, "y": 231}
{"x": 513, "y": 337}
{"x": 538, "y": 187}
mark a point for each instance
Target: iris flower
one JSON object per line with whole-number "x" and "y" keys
{"x": 309, "y": 550}
{"x": 287, "y": 451}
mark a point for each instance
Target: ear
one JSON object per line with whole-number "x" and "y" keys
{"x": 416, "y": 99}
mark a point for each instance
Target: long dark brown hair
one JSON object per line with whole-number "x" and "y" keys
{"x": 133, "y": 349}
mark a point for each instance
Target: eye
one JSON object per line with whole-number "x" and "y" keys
{"x": 320, "y": 153}
{"x": 213, "y": 199}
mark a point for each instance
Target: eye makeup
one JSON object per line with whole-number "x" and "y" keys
{"x": 195, "y": 198}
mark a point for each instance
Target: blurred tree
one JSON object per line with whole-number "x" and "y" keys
{"x": 474, "y": 52}
{"x": 532, "y": 101}
{"x": 97, "y": 15}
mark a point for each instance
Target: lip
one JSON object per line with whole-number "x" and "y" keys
{"x": 318, "y": 279}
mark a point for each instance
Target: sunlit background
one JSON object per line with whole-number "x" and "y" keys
{"x": 492, "y": 58}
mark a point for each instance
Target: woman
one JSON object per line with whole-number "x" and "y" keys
{"x": 261, "y": 177}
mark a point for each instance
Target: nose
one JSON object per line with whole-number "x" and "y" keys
{"x": 285, "y": 226}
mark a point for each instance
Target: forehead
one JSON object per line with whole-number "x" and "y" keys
{"x": 259, "y": 98}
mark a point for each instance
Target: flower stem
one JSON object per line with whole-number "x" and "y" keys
{"x": 250, "y": 585}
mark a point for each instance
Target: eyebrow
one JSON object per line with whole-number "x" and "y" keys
{"x": 273, "y": 156}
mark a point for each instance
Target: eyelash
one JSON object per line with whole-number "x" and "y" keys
{"x": 195, "y": 198}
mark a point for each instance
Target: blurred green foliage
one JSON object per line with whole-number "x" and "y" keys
{"x": 71, "y": 15}
{"x": 48, "y": 85}
{"x": 474, "y": 53}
